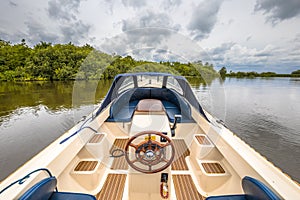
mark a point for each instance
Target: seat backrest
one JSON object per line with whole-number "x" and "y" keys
{"x": 256, "y": 190}
{"x": 41, "y": 190}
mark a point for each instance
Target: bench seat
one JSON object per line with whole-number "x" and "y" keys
{"x": 122, "y": 109}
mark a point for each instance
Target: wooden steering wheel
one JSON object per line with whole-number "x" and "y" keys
{"x": 150, "y": 156}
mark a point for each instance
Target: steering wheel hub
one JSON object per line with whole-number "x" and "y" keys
{"x": 150, "y": 155}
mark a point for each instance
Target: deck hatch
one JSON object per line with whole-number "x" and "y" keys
{"x": 202, "y": 140}
{"x": 96, "y": 138}
{"x": 86, "y": 166}
{"x": 213, "y": 168}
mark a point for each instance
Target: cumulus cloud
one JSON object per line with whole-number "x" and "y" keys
{"x": 63, "y": 9}
{"x": 248, "y": 37}
{"x": 223, "y": 48}
{"x": 279, "y": 10}
{"x": 217, "y": 55}
{"x": 204, "y": 18}
{"x": 36, "y": 32}
{"x": 167, "y": 4}
{"x": 136, "y": 39}
{"x": 13, "y": 4}
{"x": 294, "y": 50}
{"x": 148, "y": 19}
{"x": 134, "y": 3}
{"x": 60, "y": 24}
{"x": 147, "y": 29}
{"x": 243, "y": 58}
{"x": 5, "y": 36}
{"x": 143, "y": 44}
{"x": 66, "y": 13}
{"x": 158, "y": 5}
{"x": 75, "y": 32}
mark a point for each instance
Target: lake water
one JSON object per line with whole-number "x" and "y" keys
{"x": 263, "y": 112}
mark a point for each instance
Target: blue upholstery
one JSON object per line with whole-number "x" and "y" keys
{"x": 253, "y": 189}
{"x": 44, "y": 190}
{"x": 71, "y": 196}
{"x": 124, "y": 106}
{"x": 124, "y": 115}
{"x": 228, "y": 197}
{"x": 41, "y": 190}
{"x": 168, "y": 104}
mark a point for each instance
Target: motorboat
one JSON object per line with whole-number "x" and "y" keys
{"x": 149, "y": 139}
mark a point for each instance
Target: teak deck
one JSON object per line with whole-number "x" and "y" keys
{"x": 86, "y": 166}
{"x": 120, "y": 162}
{"x": 181, "y": 151}
{"x": 96, "y": 138}
{"x": 213, "y": 168}
{"x": 113, "y": 187}
{"x": 202, "y": 140}
{"x": 185, "y": 188}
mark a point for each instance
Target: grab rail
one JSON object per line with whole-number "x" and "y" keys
{"x": 22, "y": 180}
{"x": 80, "y": 129}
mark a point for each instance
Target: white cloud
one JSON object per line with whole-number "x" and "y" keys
{"x": 204, "y": 18}
{"x": 148, "y": 19}
{"x": 234, "y": 33}
{"x": 278, "y": 10}
{"x": 237, "y": 57}
{"x": 135, "y": 3}
{"x": 63, "y": 9}
{"x": 168, "y": 45}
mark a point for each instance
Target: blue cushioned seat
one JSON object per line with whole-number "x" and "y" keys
{"x": 123, "y": 115}
{"x": 228, "y": 197}
{"x": 124, "y": 106}
{"x": 168, "y": 104}
{"x": 253, "y": 189}
{"x": 71, "y": 196}
{"x": 45, "y": 190}
{"x": 172, "y": 110}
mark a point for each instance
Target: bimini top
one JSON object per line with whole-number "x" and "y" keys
{"x": 128, "y": 81}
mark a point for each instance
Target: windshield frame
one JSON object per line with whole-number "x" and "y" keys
{"x": 185, "y": 92}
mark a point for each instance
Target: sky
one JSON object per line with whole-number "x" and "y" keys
{"x": 252, "y": 35}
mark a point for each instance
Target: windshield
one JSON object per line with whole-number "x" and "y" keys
{"x": 150, "y": 81}
{"x": 129, "y": 82}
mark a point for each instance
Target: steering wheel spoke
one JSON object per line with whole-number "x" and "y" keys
{"x": 150, "y": 152}
{"x": 133, "y": 145}
{"x": 165, "y": 145}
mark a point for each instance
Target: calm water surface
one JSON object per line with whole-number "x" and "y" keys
{"x": 263, "y": 112}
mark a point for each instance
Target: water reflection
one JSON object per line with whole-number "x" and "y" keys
{"x": 29, "y": 94}
{"x": 197, "y": 82}
{"x": 54, "y": 95}
{"x": 263, "y": 112}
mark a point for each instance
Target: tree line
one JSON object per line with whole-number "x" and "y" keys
{"x": 223, "y": 73}
{"x": 46, "y": 61}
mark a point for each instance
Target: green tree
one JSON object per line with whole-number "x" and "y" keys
{"x": 296, "y": 72}
{"x": 223, "y": 72}
{"x": 46, "y": 61}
